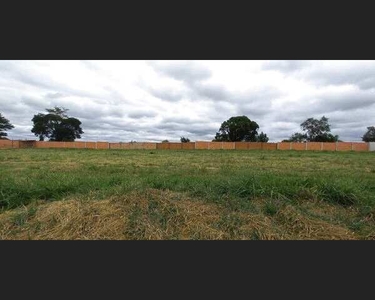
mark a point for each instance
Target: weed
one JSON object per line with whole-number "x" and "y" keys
{"x": 270, "y": 208}
{"x": 231, "y": 224}
{"x": 23, "y": 216}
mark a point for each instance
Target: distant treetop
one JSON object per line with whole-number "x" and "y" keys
{"x": 237, "y": 129}
{"x": 4, "y": 126}
{"x": 369, "y": 136}
{"x": 314, "y": 131}
{"x": 56, "y": 125}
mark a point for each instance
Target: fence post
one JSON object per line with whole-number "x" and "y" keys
{"x": 96, "y": 145}
{"x": 335, "y": 146}
{"x": 64, "y": 145}
{"x": 109, "y": 146}
{"x": 321, "y": 146}
{"x": 277, "y": 146}
{"x": 85, "y": 145}
{"x": 351, "y": 146}
{"x": 290, "y": 146}
{"x": 305, "y": 145}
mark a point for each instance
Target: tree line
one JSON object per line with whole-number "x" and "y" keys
{"x": 56, "y": 125}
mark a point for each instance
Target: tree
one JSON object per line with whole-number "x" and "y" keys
{"x": 59, "y": 111}
{"x": 165, "y": 141}
{"x": 236, "y": 129}
{"x": 262, "y": 137}
{"x": 4, "y": 126}
{"x": 315, "y": 131}
{"x": 318, "y": 130}
{"x": 184, "y": 140}
{"x": 56, "y": 125}
{"x": 298, "y": 137}
{"x": 369, "y": 136}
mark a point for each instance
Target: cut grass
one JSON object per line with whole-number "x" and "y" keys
{"x": 161, "y": 215}
{"x": 330, "y": 188}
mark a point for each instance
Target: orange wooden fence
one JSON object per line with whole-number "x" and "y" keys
{"x": 199, "y": 145}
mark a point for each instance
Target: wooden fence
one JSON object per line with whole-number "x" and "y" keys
{"x": 199, "y": 145}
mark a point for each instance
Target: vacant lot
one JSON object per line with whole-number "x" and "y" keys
{"x": 198, "y": 194}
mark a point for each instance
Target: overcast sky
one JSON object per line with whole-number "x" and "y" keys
{"x": 157, "y": 100}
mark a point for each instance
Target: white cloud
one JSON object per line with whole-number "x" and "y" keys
{"x": 156, "y": 100}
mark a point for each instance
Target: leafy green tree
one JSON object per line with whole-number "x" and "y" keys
{"x": 262, "y": 137}
{"x": 56, "y": 125}
{"x": 4, "y": 126}
{"x": 236, "y": 129}
{"x": 58, "y": 111}
{"x": 318, "y": 130}
{"x": 315, "y": 131}
{"x": 298, "y": 137}
{"x": 165, "y": 141}
{"x": 184, "y": 140}
{"x": 369, "y": 136}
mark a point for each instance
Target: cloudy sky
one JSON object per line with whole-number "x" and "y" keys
{"x": 157, "y": 100}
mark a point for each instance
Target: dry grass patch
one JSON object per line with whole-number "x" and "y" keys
{"x": 65, "y": 220}
{"x": 300, "y": 227}
{"x": 159, "y": 215}
{"x": 152, "y": 215}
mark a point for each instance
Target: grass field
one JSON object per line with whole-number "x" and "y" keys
{"x": 198, "y": 194}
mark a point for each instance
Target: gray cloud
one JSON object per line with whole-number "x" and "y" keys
{"x": 349, "y": 101}
{"x": 166, "y": 94}
{"x": 186, "y": 71}
{"x": 35, "y": 103}
{"x": 142, "y": 114}
{"x": 180, "y": 120}
{"x": 358, "y": 73}
{"x": 189, "y": 129}
{"x": 22, "y": 74}
{"x": 211, "y": 91}
{"x": 330, "y": 102}
{"x": 194, "y": 77}
{"x": 361, "y": 76}
{"x": 55, "y": 95}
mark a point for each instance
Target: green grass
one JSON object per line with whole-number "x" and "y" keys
{"x": 230, "y": 179}
{"x": 22, "y": 217}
